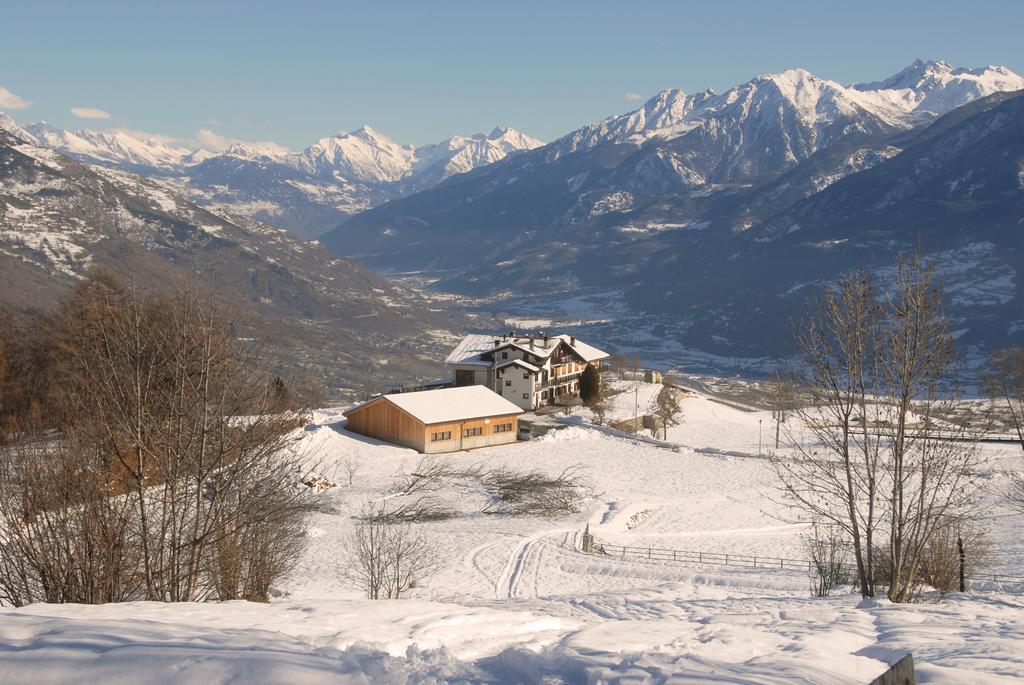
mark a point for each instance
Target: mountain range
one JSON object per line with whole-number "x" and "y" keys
{"x": 696, "y": 222}
{"x": 706, "y": 221}
{"x": 312, "y": 312}
{"x": 307, "y": 192}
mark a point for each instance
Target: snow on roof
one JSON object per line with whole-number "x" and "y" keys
{"x": 469, "y": 349}
{"x": 588, "y": 352}
{"x": 450, "y": 404}
{"x": 520, "y": 362}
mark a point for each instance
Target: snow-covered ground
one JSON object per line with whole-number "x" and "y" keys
{"x": 517, "y": 601}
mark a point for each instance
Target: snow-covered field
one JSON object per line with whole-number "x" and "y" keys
{"x": 517, "y": 601}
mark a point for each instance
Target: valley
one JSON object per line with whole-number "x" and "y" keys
{"x": 701, "y": 385}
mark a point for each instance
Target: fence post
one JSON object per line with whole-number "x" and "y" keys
{"x": 755, "y": 562}
{"x": 648, "y": 552}
{"x": 726, "y": 560}
{"x": 700, "y": 557}
{"x": 673, "y": 555}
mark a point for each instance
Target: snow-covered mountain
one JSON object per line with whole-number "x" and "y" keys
{"x": 666, "y": 199}
{"x": 936, "y": 87}
{"x": 922, "y": 90}
{"x": 60, "y": 217}
{"x": 671, "y": 159}
{"x": 114, "y": 148}
{"x": 308, "y": 192}
{"x": 367, "y": 156}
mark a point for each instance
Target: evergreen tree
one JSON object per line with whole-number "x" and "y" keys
{"x": 590, "y": 385}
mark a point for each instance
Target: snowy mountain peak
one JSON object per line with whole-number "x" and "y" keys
{"x": 256, "y": 151}
{"x": 512, "y": 140}
{"x": 365, "y": 131}
{"x": 11, "y": 126}
{"x": 911, "y": 76}
{"x": 936, "y": 87}
{"x": 794, "y": 76}
{"x": 368, "y": 156}
{"x": 921, "y": 91}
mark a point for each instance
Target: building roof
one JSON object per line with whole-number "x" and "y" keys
{"x": 471, "y": 347}
{"x": 449, "y": 404}
{"x": 519, "y": 362}
{"x": 588, "y": 352}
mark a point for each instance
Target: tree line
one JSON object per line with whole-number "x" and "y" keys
{"x": 144, "y": 452}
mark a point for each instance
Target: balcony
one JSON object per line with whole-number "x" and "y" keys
{"x": 561, "y": 380}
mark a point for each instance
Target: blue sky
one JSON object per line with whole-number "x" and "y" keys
{"x": 292, "y": 72}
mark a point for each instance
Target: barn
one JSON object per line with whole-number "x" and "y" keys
{"x": 433, "y": 421}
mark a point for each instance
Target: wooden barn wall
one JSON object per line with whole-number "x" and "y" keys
{"x": 488, "y": 437}
{"x": 385, "y": 421}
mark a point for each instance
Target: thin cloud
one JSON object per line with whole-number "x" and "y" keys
{"x": 145, "y": 136}
{"x": 211, "y": 140}
{"x": 215, "y": 142}
{"x": 9, "y": 100}
{"x": 89, "y": 113}
{"x": 633, "y": 97}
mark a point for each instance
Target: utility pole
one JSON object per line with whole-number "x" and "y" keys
{"x": 960, "y": 551}
{"x": 636, "y": 407}
{"x": 759, "y": 421}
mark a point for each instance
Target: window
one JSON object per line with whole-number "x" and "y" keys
{"x": 441, "y": 436}
{"x": 508, "y": 384}
{"x": 502, "y": 427}
{"x": 526, "y": 395}
{"x": 504, "y": 355}
{"x": 526, "y": 376}
{"x": 470, "y": 432}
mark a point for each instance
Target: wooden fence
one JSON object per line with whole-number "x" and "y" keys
{"x": 740, "y": 561}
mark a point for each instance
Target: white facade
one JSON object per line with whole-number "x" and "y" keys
{"x": 529, "y": 371}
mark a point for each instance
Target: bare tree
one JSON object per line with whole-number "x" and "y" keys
{"x": 835, "y": 479}
{"x": 931, "y": 465}
{"x": 667, "y": 408}
{"x": 168, "y": 436}
{"x": 351, "y": 467}
{"x": 386, "y": 558}
{"x": 954, "y": 550}
{"x": 782, "y": 398}
{"x": 366, "y": 561}
{"x": 878, "y": 380}
{"x": 1004, "y": 379}
{"x": 825, "y": 547}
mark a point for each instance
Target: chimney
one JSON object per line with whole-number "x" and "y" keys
{"x": 497, "y": 342}
{"x": 572, "y": 340}
{"x": 545, "y": 339}
{"x": 531, "y": 342}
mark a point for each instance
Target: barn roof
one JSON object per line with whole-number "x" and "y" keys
{"x": 449, "y": 404}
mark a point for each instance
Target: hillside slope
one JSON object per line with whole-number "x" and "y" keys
{"x": 317, "y": 313}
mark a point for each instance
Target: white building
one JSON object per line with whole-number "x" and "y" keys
{"x": 530, "y": 371}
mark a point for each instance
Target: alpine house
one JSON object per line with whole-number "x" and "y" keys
{"x": 528, "y": 370}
